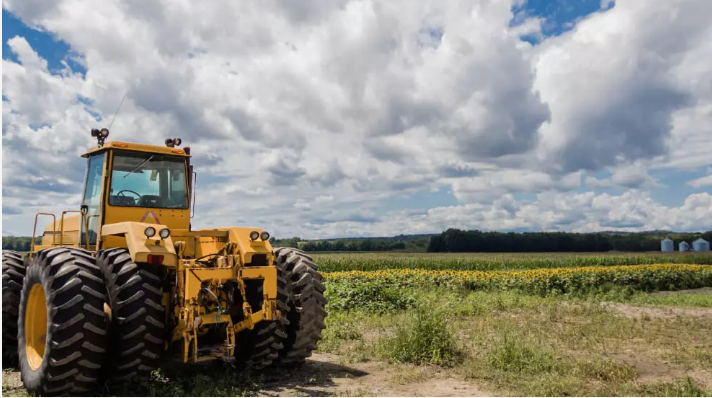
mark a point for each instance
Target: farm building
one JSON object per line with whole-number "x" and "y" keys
{"x": 701, "y": 245}
{"x": 667, "y": 245}
{"x": 684, "y": 247}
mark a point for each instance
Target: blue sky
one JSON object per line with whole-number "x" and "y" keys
{"x": 285, "y": 127}
{"x": 47, "y": 45}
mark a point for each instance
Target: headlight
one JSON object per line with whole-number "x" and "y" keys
{"x": 164, "y": 233}
{"x": 265, "y": 236}
{"x": 254, "y": 235}
{"x": 149, "y": 232}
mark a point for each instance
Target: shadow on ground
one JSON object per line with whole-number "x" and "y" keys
{"x": 312, "y": 379}
{"x": 216, "y": 379}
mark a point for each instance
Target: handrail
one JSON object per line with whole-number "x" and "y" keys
{"x": 34, "y": 230}
{"x": 195, "y": 181}
{"x": 86, "y": 227}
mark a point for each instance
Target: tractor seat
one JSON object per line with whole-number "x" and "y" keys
{"x": 151, "y": 201}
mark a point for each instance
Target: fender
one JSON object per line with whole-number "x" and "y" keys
{"x": 139, "y": 245}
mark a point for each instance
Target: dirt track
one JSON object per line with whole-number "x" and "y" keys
{"x": 323, "y": 375}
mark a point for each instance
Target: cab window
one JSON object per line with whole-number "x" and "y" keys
{"x": 148, "y": 180}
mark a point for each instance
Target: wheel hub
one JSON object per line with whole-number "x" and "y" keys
{"x": 35, "y": 326}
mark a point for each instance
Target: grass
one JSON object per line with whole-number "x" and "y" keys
{"x": 353, "y": 261}
{"x": 686, "y": 387}
{"x": 368, "y": 297}
{"x": 518, "y": 344}
{"x": 700, "y": 300}
{"x": 211, "y": 379}
{"x": 425, "y": 338}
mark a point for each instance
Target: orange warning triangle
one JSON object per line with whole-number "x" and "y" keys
{"x": 152, "y": 214}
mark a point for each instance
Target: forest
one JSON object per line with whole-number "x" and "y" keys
{"x": 456, "y": 240}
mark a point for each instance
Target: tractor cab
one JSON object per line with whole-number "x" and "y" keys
{"x": 127, "y": 182}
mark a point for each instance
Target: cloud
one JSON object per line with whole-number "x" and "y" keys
{"x": 613, "y": 83}
{"x": 490, "y": 185}
{"x": 633, "y": 175}
{"x": 702, "y": 181}
{"x": 367, "y": 104}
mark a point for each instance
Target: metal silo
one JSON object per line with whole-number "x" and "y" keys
{"x": 701, "y": 245}
{"x": 667, "y": 245}
{"x": 684, "y": 247}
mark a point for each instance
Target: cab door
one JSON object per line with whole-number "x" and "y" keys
{"x": 91, "y": 202}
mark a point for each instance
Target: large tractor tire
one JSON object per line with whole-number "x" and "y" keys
{"x": 258, "y": 348}
{"x": 13, "y": 272}
{"x": 304, "y": 320}
{"x": 62, "y": 328}
{"x": 136, "y": 337}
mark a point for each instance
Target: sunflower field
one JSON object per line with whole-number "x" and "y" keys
{"x": 543, "y": 281}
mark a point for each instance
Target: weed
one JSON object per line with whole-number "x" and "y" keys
{"x": 422, "y": 339}
{"x": 513, "y": 355}
{"x": 679, "y": 388}
{"x": 371, "y": 297}
{"x": 340, "y": 328}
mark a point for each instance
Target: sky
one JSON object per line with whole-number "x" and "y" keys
{"x": 369, "y": 118}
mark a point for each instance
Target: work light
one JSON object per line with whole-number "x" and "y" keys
{"x": 149, "y": 232}
{"x": 254, "y": 235}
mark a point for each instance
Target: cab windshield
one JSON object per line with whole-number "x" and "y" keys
{"x": 148, "y": 180}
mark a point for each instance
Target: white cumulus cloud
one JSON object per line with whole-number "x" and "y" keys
{"x": 315, "y": 118}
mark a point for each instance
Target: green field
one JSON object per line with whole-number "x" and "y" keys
{"x": 357, "y": 261}
{"x": 557, "y": 324}
{"x": 525, "y": 324}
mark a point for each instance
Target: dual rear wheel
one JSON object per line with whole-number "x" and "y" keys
{"x": 62, "y": 343}
{"x": 68, "y": 338}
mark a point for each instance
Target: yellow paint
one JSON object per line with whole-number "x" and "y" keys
{"x": 193, "y": 276}
{"x": 35, "y": 326}
{"x": 139, "y": 246}
{"x": 129, "y": 146}
{"x": 269, "y": 274}
{"x": 173, "y": 219}
{"x": 229, "y": 249}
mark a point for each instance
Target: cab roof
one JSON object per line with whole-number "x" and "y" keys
{"x": 129, "y": 146}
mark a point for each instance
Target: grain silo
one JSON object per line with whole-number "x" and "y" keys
{"x": 667, "y": 245}
{"x": 701, "y": 245}
{"x": 684, "y": 247}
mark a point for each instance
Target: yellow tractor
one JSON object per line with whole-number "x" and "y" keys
{"x": 122, "y": 283}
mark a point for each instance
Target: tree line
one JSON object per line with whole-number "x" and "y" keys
{"x": 18, "y": 243}
{"x": 456, "y": 240}
{"x": 411, "y": 243}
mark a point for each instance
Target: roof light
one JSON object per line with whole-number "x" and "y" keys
{"x": 171, "y": 142}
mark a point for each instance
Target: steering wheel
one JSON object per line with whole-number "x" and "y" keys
{"x": 128, "y": 190}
